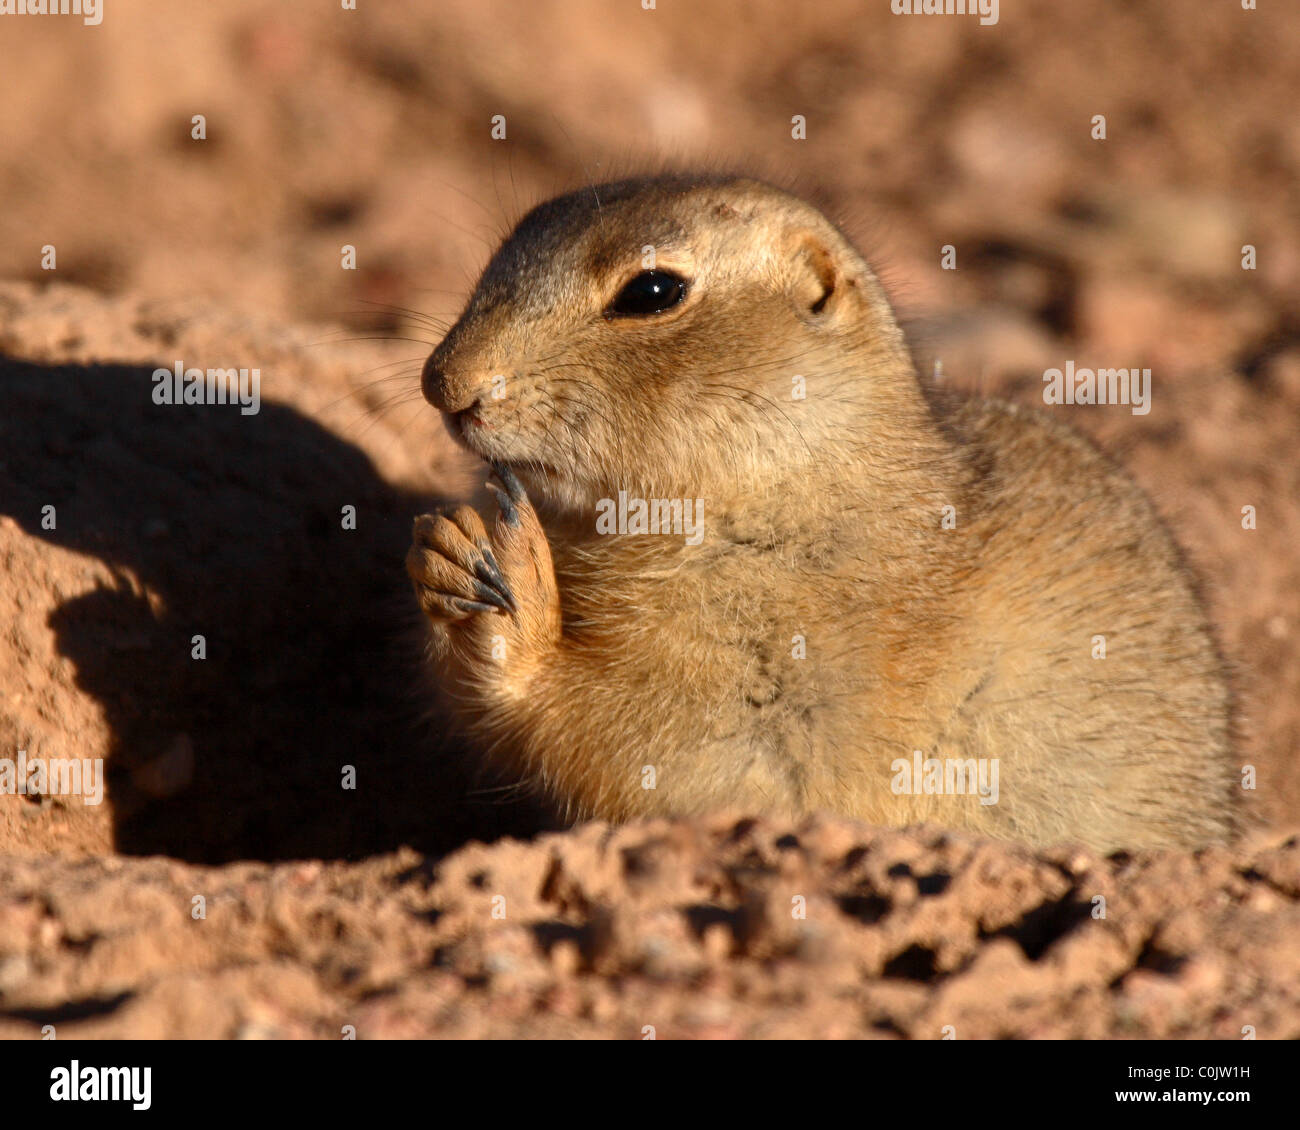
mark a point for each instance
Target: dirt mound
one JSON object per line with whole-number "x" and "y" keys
{"x": 725, "y": 928}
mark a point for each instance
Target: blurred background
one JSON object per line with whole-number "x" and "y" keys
{"x": 373, "y": 128}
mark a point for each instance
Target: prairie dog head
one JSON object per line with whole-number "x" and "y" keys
{"x": 674, "y": 335}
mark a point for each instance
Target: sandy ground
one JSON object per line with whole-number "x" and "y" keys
{"x": 719, "y": 929}
{"x": 374, "y": 907}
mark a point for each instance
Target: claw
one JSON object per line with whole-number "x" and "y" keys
{"x": 509, "y": 511}
{"x": 513, "y": 495}
{"x": 491, "y": 596}
{"x": 510, "y": 481}
{"x": 489, "y": 572}
{"x": 472, "y": 605}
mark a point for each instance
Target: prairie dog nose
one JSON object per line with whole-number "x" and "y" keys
{"x": 450, "y": 391}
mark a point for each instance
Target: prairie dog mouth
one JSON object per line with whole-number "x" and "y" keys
{"x": 485, "y": 439}
{"x": 468, "y": 428}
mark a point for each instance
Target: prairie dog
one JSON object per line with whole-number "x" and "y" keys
{"x": 867, "y": 583}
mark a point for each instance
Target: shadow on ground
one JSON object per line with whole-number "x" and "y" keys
{"x": 229, "y": 526}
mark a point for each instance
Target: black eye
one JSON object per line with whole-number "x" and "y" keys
{"x": 651, "y": 292}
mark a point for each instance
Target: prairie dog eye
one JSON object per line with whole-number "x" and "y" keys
{"x": 650, "y": 292}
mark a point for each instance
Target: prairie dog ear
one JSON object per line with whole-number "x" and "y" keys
{"x": 817, "y": 276}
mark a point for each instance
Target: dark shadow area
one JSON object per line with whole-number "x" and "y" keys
{"x": 89, "y": 1008}
{"x": 232, "y": 526}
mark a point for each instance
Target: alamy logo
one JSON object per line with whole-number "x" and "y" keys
{"x": 951, "y": 776}
{"x": 987, "y": 10}
{"x": 683, "y": 516}
{"x": 55, "y": 776}
{"x": 1099, "y": 386}
{"x": 179, "y": 385}
{"x": 90, "y": 11}
{"x": 102, "y": 1084}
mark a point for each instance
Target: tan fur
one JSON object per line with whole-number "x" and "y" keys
{"x": 822, "y": 520}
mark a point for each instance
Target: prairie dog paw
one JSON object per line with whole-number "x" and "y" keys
{"x": 491, "y": 594}
{"x": 454, "y": 569}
